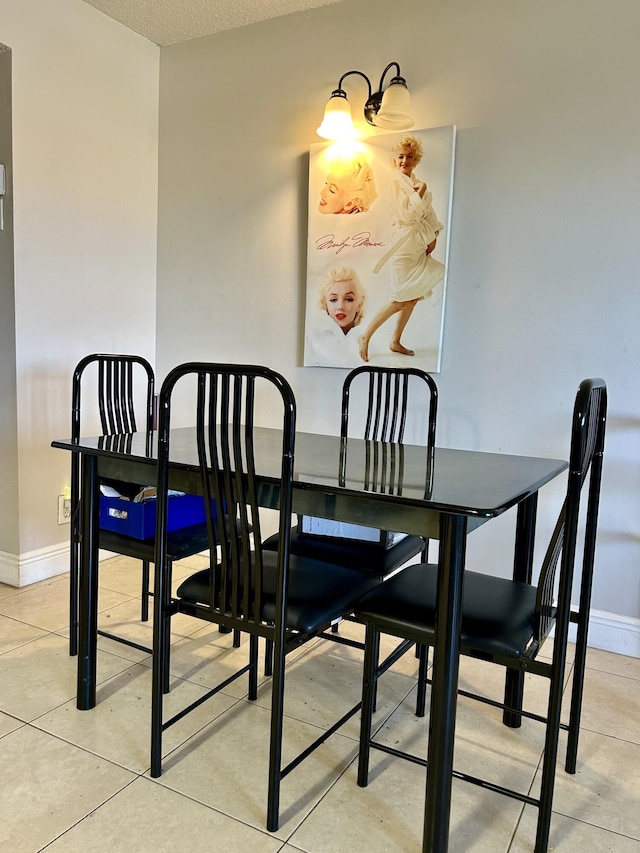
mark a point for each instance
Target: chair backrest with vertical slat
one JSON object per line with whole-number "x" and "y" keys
{"x": 388, "y": 391}
{"x": 225, "y": 397}
{"x": 585, "y": 463}
{"x": 124, "y": 386}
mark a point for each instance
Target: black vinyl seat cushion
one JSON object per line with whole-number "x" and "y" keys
{"x": 368, "y": 557}
{"x": 498, "y": 615}
{"x": 183, "y": 542}
{"x": 318, "y": 592}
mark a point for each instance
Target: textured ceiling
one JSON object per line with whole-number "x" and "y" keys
{"x": 171, "y": 21}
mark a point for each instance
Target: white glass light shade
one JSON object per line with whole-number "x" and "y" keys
{"x": 337, "y": 123}
{"x": 395, "y": 109}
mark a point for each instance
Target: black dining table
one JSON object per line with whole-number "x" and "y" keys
{"x": 440, "y": 493}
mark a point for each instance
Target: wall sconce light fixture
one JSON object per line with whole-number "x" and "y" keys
{"x": 390, "y": 108}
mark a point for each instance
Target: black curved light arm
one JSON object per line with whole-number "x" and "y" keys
{"x": 384, "y": 74}
{"x": 374, "y": 99}
{"x": 347, "y": 74}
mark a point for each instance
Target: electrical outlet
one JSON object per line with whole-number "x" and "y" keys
{"x": 64, "y": 509}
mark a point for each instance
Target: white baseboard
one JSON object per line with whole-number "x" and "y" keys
{"x": 614, "y": 633}
{"x": 608, "y": 631}
{"x": 38, "y": 565}
{"x": 34, "y": 566}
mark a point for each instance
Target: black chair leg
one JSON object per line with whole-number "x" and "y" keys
{"x": 424, "y": 558}
{"x": 268, "y": 658}
{"x": 73, "y": 600}
{"x": 222, "y": 629}
{"x": 144, "y": 611}
{"x": 166, "y": 641}
{"x": 159, "y": 669}
{"x": 577, "y": 687}
{"x": 369, "y": 689}
{"x": 421, "y": 700}
{"x": 582, "y": 619}
{"x": 513, "y": 698}
{"x": 253, "y": 672}
{"x": 549, "y": 758}
{"x": 275, "y": 750}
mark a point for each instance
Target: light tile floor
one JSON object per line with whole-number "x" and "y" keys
{"x": 78, "y": 780}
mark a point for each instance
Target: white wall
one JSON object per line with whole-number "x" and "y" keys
{"x": 85, "y": 106}
{"x": 543, "y": 283}
{"x": 545, "y": 256}
{"x": 8, "y": 420}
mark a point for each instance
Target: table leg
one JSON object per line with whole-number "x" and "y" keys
{"x": 453, "y": 541}
{"x": 74, "y": 556}
{"x": 88, "y": 584}
{"x": 523, "y": 572}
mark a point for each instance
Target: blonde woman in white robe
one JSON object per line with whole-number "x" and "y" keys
{"x": 415, "y": 232}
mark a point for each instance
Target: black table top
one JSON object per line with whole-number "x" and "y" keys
{"x": 471, "y": 483}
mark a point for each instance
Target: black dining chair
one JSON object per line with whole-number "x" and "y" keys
{"x": 284, "y": 598}
{"x": 117, "y": 391}
{"x": 375, "y": 407}
{"x": 121, "y": 399}
{"x": 506, "y": 622}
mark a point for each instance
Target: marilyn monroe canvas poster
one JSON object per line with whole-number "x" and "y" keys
{"x": 379, "y": 217}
